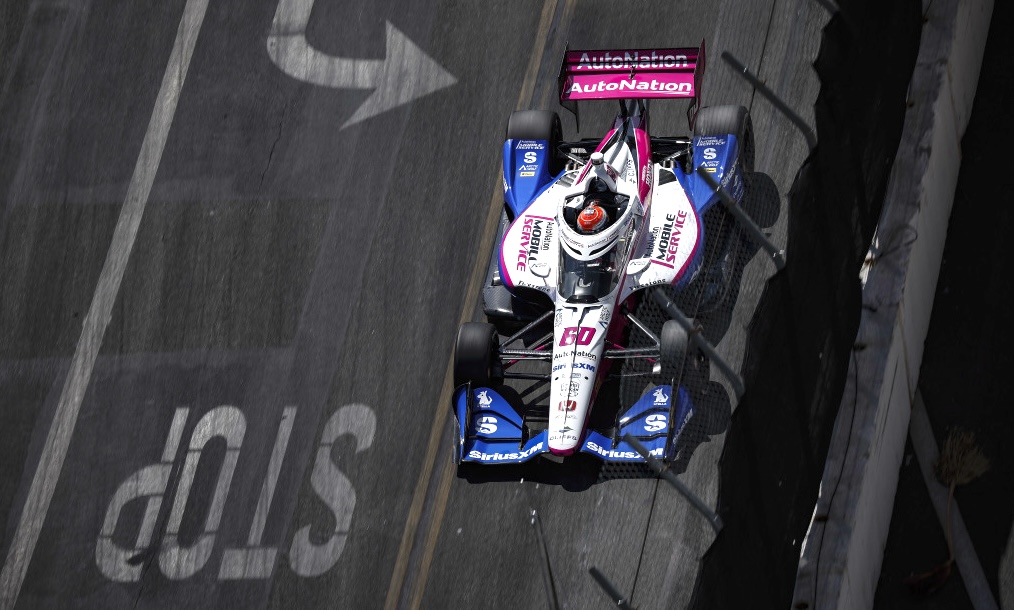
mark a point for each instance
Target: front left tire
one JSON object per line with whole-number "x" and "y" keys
{"x": 477, "y": 355}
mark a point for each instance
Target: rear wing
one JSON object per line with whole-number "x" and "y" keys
{"x": 632, "y": 74}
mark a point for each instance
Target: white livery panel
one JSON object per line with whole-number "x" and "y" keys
{"x": 579, "y": 338}
{"x": 529, "y": 253}
{"x": 671, "y": 243}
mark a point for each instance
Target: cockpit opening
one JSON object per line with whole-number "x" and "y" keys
{"x": 588, "y": 281}
{"x": 594, "y": 210}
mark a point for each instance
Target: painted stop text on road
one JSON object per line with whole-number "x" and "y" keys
{"x": 247, "y": 559}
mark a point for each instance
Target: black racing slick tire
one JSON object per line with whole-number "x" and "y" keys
{"x": 539, "y": 125}
{"x": 723, "y": 120}
{"x": 477, "y": 355}
{"x": 674, "y": 343}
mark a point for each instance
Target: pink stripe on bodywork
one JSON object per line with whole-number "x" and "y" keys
{"x": 645, "y": 169}
{"x": 599, "y": 148}
{"x": 507, "y": 281}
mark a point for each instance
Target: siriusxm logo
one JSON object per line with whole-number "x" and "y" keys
{"x": 584, "y": 366}
{"x": 621, "y": 455}
{"x": 505, "y": 457}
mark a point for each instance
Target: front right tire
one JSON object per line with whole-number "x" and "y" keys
{"x": 674, "y": 344}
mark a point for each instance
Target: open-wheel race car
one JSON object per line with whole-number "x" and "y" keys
{"x": 586, "y": 228}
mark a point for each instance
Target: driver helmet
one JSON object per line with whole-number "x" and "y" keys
{"x": 592, "y": 219}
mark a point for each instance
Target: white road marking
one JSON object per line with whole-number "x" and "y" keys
{"x": 256, "y": 561}
{"x": 33, "y": 514}
{"x": 332, "y": 486}
{"x": 406, "y": 73}
{"x": 179, "y": 562}
{"x": 114, "y": 561}
{"x": 271, "y": 481}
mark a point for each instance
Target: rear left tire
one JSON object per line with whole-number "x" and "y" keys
{"x": 539, "y": 125}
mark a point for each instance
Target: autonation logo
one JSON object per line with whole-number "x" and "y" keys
{"x": 678, "y": 89}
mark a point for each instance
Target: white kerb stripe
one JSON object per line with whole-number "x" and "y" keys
{"x": 33, "y": 514}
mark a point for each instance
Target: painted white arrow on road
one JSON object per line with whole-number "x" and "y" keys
{"x": 405, "y": 74}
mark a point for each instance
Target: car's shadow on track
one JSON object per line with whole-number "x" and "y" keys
{"x": 712, "y": 401}
{"x": 730, "y": 247}
{"x": 576, "y": 473}
{"x": 712, "y": 416}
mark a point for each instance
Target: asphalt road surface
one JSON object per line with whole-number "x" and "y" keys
{"x": 236, "y": 240}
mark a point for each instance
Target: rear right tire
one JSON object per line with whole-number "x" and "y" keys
{"x": 723, "y": 120}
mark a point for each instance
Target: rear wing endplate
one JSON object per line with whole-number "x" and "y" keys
{"x": 633, "y": 74}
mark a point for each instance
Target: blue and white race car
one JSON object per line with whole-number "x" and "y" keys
{"x": 586, "y": 227}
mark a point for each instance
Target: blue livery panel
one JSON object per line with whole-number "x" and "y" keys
{"x": 719, "y": 156}
{"x": 490, "y": 430}
{"x": 648, "y": 422}
{"x": 525, "y": 172}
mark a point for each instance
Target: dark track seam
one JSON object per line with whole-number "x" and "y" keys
{"x": 644, "y": 540}
{"x": 764, "y": 48}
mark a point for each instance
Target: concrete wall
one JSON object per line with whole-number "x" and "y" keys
{"x": 841, "y": 556}
{"x": 800, "y": 339}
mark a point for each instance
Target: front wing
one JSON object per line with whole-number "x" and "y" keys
{"x": 490, "y": 431}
